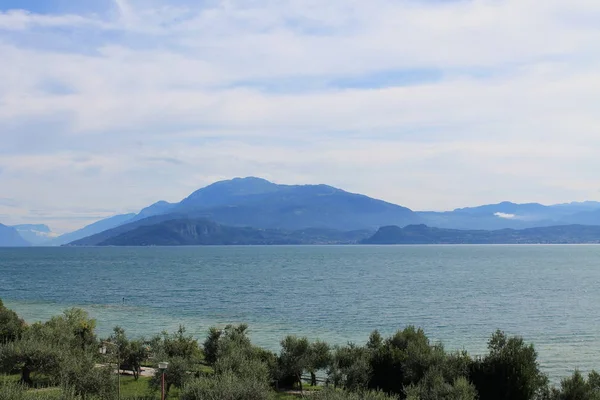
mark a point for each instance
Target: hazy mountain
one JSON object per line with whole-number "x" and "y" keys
{"x": 183, "y": 232}
{"x": 158, "y": 208}
{"x": 9, "y": 237}
{"x": 91, "y": 229}
{"x": 515, "y": 216}
{"x": 36, "y": 234}
{"x": 261, "y": 204}
{"x": 422, "y": 234}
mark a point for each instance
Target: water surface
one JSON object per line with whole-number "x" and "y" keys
{"x": 458, "y": 294}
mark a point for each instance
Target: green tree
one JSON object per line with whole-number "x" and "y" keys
{"x": 11, "y": 326}
{"x": 509, "y": 371}
{"x": 319, "y": 358}
{"x": 176, "y": 375}
{"x": 227, "y": 386}
{"x": 576, "y": 387}
{"x": 350, "y": 367}
{"x": 294, "y": 358}
{"x": 402, "y": 360}
{"x": 28, "y": 356}
{"x": 332, "y": 394}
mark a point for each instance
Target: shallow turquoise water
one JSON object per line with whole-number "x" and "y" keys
{"x": 458, "y": 294}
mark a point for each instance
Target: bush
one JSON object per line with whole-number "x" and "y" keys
{"x": 332, "y": 394}
{"x": 11, "y": 326}
{"x": 509, "y": 371}
{"x": 227, "y": 386}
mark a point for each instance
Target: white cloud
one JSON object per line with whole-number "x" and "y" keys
{"x": 506, "y": 106}
{"x": 504, "y": 215}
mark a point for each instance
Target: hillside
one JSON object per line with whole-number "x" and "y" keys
{"x": 185, "y": 232}
{"x": 92, "y": 229}
{"x": 507, "y": 215}
{"x": 261, "y": 204}
{"x": 422, "y": 234}
{"x": 36, "y": 234}
{"x": 9, "y": 237}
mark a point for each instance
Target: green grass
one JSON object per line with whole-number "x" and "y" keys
{"x": 132, "y": 388}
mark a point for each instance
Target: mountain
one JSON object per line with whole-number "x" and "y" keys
{"x": 184, "y": 232}
{"x": 158, "y": 208}
{"x": 422, "y": 234}
{"x": 96, "y": 227}
{"x": 261, "y": 204}
{"x": 9, "y": 237}
{"x": 515, "y": 216}
{"x": 36, "y": 234}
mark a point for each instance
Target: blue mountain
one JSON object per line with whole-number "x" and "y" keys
{"x": 258, "y": 203}
{"x": 9, "y": 237}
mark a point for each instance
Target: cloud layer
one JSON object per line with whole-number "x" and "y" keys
{"x": 430, "y": 104}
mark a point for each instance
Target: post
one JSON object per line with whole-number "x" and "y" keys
{"x": 118, "y": 375}
{"x": 162, "y": 386}
{"x": 162, "y": 366}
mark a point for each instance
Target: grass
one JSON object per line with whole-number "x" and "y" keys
{"x": 132, "y": 388}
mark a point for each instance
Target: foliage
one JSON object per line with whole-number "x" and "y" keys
{"x": 80, "y": 375}
{"x": 226, "y": 386}
{"x": 28, "y": 356}
{"x": 577, "y": 387}
{"x": 332, "y": 394}
{"x": 350, "y": 367}
{"x": 131, "y": 354}
{"x": 176, "y": 345}
{"x": 11, "y": 326}
{"x": 294, "y": 358}
{"x": 509, "y": 371}
{"x": 176, "y": 375}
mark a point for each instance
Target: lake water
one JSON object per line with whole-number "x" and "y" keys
{"x": 458, "y": 294}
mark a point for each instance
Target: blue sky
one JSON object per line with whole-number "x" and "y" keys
{"x": 110, "y": 105}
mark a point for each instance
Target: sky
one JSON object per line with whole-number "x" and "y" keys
{"x": 107, "y": 106}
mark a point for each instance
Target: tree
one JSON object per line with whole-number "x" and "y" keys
{"x": 402, "y": 360}
{"x": 294, "y": 358}
{"x": 577, "y": 387}
{"x": 227, "y": 386}
{"x": 30, "y": 356}
{"x": 350, "y": 367}
{"x": 509, "y": 371}
{"x": 319, "y": 358}
{"x": 176, "y": 375}
{"x": 211, "y": 345}
{"x": 11, "y": 326}
{"x": 131, "y": 354}
{"x": 332, "y": 394}
{"x": 434, "y": 386}
{"x": 176, "y": 345}
{"x": 80, "y": 375}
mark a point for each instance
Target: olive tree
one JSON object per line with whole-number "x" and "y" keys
{"x": 11, "y": 326}
{"x": 509, "y": 371}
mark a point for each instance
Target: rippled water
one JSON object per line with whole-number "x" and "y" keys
{"x": 458, "y": 294}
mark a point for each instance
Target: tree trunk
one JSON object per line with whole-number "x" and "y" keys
{"x": 313, "y": 379}
{"x": 300, "y": 381}
{"x": 26, "y": 376}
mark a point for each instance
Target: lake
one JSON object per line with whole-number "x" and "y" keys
{"x": 458, "y": 294}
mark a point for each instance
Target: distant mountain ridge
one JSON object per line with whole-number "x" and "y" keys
{"x": 92, "y": 229}
{"x": 36, "y": 234}
{"x": 422, "y": 234}
{"x": 187, "y": 232}
{"x": 258, "y": 203}
{"x": 10, "y": 237}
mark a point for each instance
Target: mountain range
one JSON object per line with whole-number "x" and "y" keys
{"x": 266, "y": 206}
{"x": 423, "y": 234}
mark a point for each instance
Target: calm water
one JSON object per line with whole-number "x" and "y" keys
{"x": 458, "y": 294}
